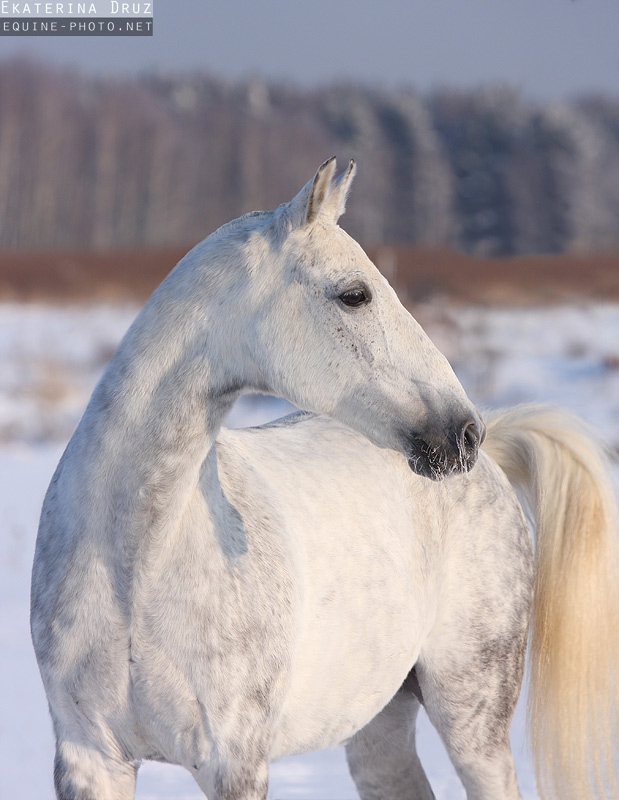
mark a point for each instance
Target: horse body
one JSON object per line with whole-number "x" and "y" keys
{"x": 278, "y": 625}
{"x": 220, "y": 602}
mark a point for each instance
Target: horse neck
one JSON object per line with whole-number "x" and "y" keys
{"x": 155, "y": 415}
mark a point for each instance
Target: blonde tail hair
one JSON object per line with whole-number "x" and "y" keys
{"x": 573, "y": 706}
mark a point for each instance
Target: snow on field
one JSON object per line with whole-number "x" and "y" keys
{"x": 50, "y": 359}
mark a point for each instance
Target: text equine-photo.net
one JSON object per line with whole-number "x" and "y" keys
{"x": 100, "y": 18}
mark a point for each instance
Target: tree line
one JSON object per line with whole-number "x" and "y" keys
{"x": 98, "y": 163}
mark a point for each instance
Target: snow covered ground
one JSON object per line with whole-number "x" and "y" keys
{"x": 50, "y": 359}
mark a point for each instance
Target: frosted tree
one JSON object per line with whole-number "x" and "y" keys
{"x": 481, "y": 131}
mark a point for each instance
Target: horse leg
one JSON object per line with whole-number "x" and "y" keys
{"x": 382, "y": 757}
{"x": 471, "y": 705}
{"x": 245, "y": 780}
{"x": 82, "y": 772}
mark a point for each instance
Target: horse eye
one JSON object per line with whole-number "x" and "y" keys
{"x": 355, "y": 297}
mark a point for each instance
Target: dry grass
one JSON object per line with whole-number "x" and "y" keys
{"x": 418, "y": 273}
{"x": 421, "y": 274}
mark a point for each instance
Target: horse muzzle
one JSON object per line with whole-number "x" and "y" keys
{"x": 436, "y": 455}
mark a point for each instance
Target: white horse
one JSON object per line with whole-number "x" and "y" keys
{"x": 220, "y": 599}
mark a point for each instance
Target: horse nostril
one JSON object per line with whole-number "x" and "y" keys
{"x": 473, "y": 434}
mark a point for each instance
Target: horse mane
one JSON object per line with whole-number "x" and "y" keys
{"x": 240, "y": 222}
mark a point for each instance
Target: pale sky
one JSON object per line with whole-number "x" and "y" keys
{"x": 546, "y": 48}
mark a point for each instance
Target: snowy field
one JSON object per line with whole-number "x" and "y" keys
{"x": 50, "y": 359}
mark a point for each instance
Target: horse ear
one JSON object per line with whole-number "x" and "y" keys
{"x": 322, "y": 196}
{"x": 340, "y": 189}
{"x": 320, "y": 190}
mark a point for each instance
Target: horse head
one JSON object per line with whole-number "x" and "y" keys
{"x": 329, "y": 334}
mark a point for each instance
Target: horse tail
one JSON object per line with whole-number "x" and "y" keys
{"x": 563, "y": 480}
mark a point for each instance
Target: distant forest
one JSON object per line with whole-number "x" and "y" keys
{"x": 95, "y": 163}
